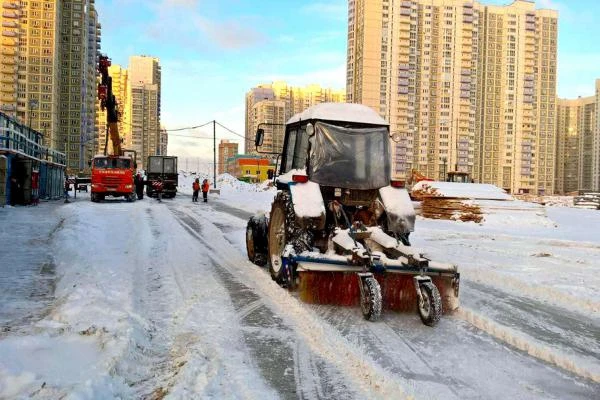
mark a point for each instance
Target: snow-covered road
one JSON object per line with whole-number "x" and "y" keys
{"x": 158, "y": 299}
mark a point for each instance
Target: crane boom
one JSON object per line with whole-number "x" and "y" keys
{"x": 108, "y": 101}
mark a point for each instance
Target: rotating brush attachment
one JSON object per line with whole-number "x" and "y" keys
{"x": 397, "y": 290}
{"x": 325, "y": 287}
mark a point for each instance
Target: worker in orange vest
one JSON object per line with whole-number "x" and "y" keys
{"x": 205, "y": 187}
{"x": 196, "y": 189}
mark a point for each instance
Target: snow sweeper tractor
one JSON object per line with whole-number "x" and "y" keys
{"x": 338, "y": 230}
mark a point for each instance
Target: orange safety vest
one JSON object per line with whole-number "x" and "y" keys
{"x": 196, "y": 186}
{"x": 205, "y": 187}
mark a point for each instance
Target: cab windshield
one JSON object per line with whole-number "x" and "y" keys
{"x": 109, "y": 163}
{"x": 354, "y": 158}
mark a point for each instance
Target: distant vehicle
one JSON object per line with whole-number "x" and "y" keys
{"x": 165, "y": 168}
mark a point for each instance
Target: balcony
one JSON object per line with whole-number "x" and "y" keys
{"x": 8, "y": 89}
{"x": 8, "y": 97}
{"x": 11, "y": 14}
{"x": 8, "y": 42}
{"x": 8, "y": 69}
{"x": 7, "y": 60}
{"x": 10, "y": 5}
{"x": 8, "y": 51}
{"x": 10, "y": 79}
{"x": 10, "y": 24}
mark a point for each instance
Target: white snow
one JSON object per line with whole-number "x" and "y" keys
{"x": 351, "y": 112}
{"x": 307, "y": 199}
{"x": 462, "y": 190}
{"x": 140, "y": 304}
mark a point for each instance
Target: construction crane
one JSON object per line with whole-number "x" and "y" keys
{"x": 112, "y": 174}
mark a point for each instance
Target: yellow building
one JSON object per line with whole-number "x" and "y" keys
{"x": 282, "y": 102}
{"x": 456, "y": 80}
{"x": 576, "y": 122}
{"x": 120, "y": 87}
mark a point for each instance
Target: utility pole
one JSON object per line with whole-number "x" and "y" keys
{"x": 214, "y": 154}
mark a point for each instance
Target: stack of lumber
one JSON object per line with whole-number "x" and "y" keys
{"x": 457, "y": 201}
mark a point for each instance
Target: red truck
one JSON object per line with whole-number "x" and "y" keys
{"x": 112, "y": 176}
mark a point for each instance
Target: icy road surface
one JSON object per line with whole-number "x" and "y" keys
{"x": 149, "y": 299}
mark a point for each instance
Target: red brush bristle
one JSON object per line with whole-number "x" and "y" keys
{"x": 341, "y": 288}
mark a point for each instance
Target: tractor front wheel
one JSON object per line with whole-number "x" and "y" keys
{"x": 430, "y": 304}
{"x": 370, "y": 302}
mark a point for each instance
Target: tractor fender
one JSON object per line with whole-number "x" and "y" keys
{"x": 399, "y": 209}
{"x": 309, "y": 207}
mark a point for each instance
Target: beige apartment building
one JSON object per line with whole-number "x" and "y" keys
{"x": 163, "y": 141}
{"x": 48, "y": 72}
{"x": 295, "y": 100}
{"x": 576, "y": 124}
{"x": 465, "y": 86}
{"x": 79, "y": 34}
{"x": 596, "y": 143}
{"x": 144, "y": 74}
{"x": 272, "y": 112}
{"x": 227, "y": 150}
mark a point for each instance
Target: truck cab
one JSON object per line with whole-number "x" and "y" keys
{"x": 112, "y": 176}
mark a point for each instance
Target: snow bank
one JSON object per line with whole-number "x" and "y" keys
{"x": 460, "y": 190}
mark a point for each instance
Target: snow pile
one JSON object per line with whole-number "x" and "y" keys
{"x": 459, "y": 190}
{"x": 252, "y": 197}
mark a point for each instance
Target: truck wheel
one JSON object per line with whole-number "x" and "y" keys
{"x": 256, "y": 236}
{"x": 430, "y": 306}
{"x": 277, "y": 240}
{"x": 370, "y": 303}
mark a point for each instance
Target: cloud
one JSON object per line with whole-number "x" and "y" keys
{"x": 334, "y": 77}
{"x": 332, "y": 10}
{"x": 232, "y": 34}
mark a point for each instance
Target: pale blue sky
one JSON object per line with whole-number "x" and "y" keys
{"x": 213, "y": 51}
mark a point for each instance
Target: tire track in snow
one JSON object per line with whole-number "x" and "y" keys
{"x": 285, "y": 361}
{"x": 538, "y": 329}
{"x": 149, "y": 365}
{"x": 465, "y": 388}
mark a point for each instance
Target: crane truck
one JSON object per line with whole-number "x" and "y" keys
{"x": 112, "y": 174}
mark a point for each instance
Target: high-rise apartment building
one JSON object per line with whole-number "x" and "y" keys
{"x": 227, "y": 149}
{"x": 295, "y": 100}
{"x": 144, "y": 97}
{"x": 465, "y": 86}
{"x": 163, "y": 141}
{"x": 48, "y": 73}
{"x": 596, "y": 143}
{"x": 10, "y": 56}
{"x": 79, "y": 46}
{"x": 38, "y": 69}
{"x": 273, "y": 113}
{"x": 576, "y": 124}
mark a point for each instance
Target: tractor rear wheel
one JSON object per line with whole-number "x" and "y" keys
{"x": 277, "y": 240}
{"x": 430, "y": 306}
{"x": 256, "y": 232}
